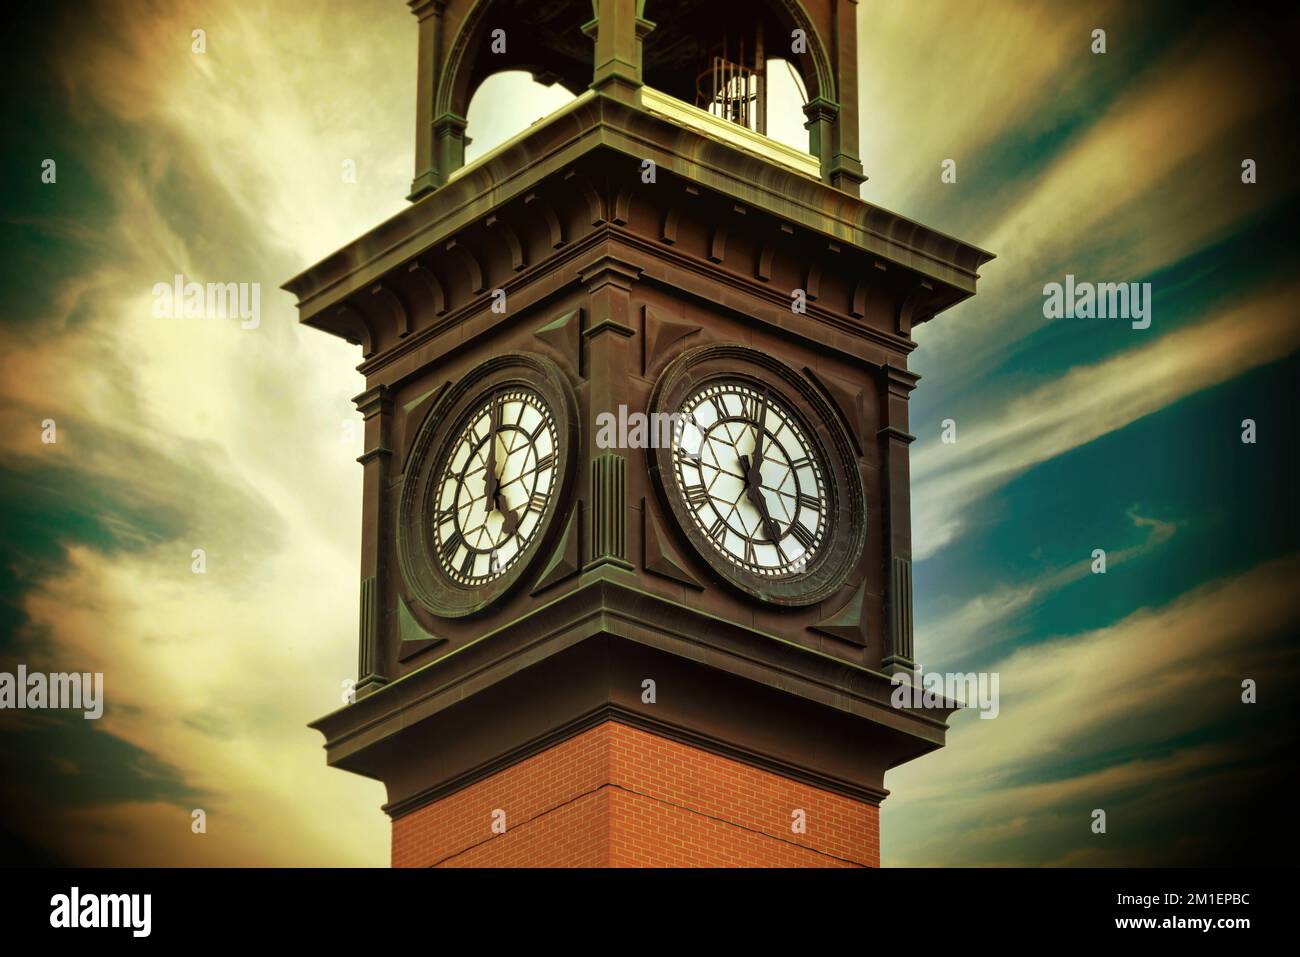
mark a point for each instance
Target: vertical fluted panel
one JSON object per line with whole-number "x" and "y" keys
{"x": 369, "y": 629}
{"x": 900, "y": 604}
{"x": 608, "y": 500}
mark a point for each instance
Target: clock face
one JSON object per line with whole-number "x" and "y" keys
{"x": 495, "y": 485}
{"x": 488, "y": 472}
{"x": 752, "y": 480}
{"x": 761, "y": 475}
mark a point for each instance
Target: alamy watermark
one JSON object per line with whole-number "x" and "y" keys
{"x": 62, "y": 691}
{"x": 933, "y": 689}
{"x": 180, "y": 299}
{"x": 656, "y": 430}
{"x": 129, "y": 911}
{"x": 1102, "y": 300}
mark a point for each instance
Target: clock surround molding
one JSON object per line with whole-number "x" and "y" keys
{"x": 845, "y": 502}
{"x": 421, "y": 576}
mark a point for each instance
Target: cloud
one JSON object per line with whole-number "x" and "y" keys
{"x": 175, "y": 435}
{"x": 988, "y": 619}
{"x": 1107, "y": 719}
{"x": 1089, "y": 402}
{"x": 994, "y": 72}
{"x": 283, "y": 95}
{"x": 1146, "y": 181}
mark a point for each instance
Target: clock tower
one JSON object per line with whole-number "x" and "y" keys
{"x": 636, "y": 550}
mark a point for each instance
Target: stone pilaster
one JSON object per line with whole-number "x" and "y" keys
{"x": 896, "y": 384}
{"x": 376, "y": 408}
{"x": 610, "y": 356}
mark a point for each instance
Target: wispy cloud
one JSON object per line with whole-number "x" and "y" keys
{"x": 1031, "y": 56}
{"x": 1101, "y": 720}
{"x": 182, "y": 434}
{"x": 989, "y": 619}
{"x": 1152, "y": 178}
{"x": 1089, "y": 402}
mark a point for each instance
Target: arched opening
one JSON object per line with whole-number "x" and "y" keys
{"x": 786, "y": 96}
{"x": 545, "y": 40}
{"x": 504, "y": 105}
{"x": 759, "y": 68}
{"x": 740, "y": 61}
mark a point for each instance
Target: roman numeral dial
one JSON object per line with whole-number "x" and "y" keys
{"x": 751, "y": 478}
{"x": 495, "y": 485}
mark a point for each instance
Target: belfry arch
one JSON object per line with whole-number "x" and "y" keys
{"x": 614, "y": 47}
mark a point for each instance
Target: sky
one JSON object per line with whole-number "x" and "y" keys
{"x": 1119, "y": 691}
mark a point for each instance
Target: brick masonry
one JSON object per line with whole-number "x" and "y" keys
{"x": 617, "y": 796}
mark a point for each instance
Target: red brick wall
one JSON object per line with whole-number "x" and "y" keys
{"x": 616, "y": 796}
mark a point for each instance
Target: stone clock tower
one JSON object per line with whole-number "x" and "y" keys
{"x": 672, "y": 646}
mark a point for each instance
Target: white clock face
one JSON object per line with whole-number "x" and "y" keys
{"x": 750, "y": 477}
{"x": 495, "y": 487}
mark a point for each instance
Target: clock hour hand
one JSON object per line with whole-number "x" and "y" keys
{"x": 509, "y": 517}
{"x": 755, "y": 496}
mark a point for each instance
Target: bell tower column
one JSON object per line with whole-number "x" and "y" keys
{"x": 846, "y": 166}
{"x": 618, "y": 31}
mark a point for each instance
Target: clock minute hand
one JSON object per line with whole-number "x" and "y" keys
{"x": 755, "y": 496}
{"x": 758, "y": 439}
{"x": 490, "y": 482}
{"x": 753, "y": 475}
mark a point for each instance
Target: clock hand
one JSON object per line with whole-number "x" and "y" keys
{"x": 755, "y": 496}
{"x": 490, "y": 481}
{"x": 509, "y": 517}
{"x": 758, "y": 438}
{"x": 492, "y": 484}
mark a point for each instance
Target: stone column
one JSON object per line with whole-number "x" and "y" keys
{"x": 449, "y": 144}
{"x": 430, "y": 14}
{"x": 821, "y": 114}
{"x": 618, "y": 32}
{"x": 846, "y": 166}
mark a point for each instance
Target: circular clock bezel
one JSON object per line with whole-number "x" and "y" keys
{"x": 422, "y": 574}
{"x": 845, "y": 496}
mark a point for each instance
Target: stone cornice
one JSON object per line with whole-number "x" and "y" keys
{"x": 597, "y": 123}
{"x": 589, "y": 650}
